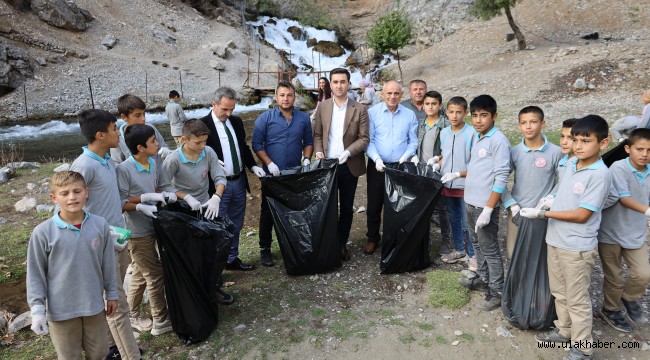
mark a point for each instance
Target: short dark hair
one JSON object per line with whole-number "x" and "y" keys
{"x": 195, "y": 127}
{"x": 128, "y": 102}
{"x": 638, "y": 135}
{"x": 174, "y": 94}
{"x": 138, "y": 134}
{"x": 93, "y": 121}
{"x": 285, "y": 84}
{"x": 568, "y": 123}
{"x": 532, "y": 110}
{"x": 340, "y": 71}
{"x": 458, "y": 101}
{"x": 417, "y": 81}
{"x": 434, "y": 94}
{"x": 591, "y": 125}
{"x": 483, "y": 102}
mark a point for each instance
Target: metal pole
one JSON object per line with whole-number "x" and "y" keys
{"x": 259, "y": 62}
{"x": 92, "y": 100}
{"x": 319, "y": 67}
{"x": 146, "y": 87}
{"x": 219, "y": 77}
{"x": 25, "y": 94}
{"x": 248, "y": 69}
{"x": 180, "y": 79}
{"x": 313, "y": 65}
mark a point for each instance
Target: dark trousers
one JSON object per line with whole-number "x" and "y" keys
{"x": 266, "y": 224}
{"x": 376, "y": 184}
{"x": 347, "y": 187}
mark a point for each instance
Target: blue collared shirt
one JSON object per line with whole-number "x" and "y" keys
{"x": 282, "y": 141}
{"x": 103, "y": 161}
{"x": 392, "y": 135}
{"x": 141, "y": 168}
{"x": 185, "y": 160}
{"x": 56, "y": 219}
{"x": 639, "y": 175}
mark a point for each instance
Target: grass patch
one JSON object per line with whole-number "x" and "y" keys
{"x": 426, "y": 342}
{"x": 407, "y": 338}
{"x": 386, "y": 313}
{"x": 424, "y": 326}
{"x": 466, "y": 337}
{"x": 446, "y": 291}
{"x": 441, "y": 340}
{"x": 317, "y": 312}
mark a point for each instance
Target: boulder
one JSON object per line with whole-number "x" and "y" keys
{"x": 164, "y": 36}
{"x": 311, "y": 42}
{"x": 580, "y": 84}
{"x": 20, "y": 322}
{"x": 329, "y": 48}
{"x": 21, "y": 5}
{"x": 5, "y": 174}
{"x": 62, "y": 167}
{"x": 109, "y": 41}
{"x": 25, "y": 204}
{"x": 220, "y": 50}
{"x": 24, "y": 165}
{"x": 231, "y": 45}
{"x": 44, "y": 208}
{"x": 297, "y": 33}
{"x": 62, "y": 14}
{"x": 217, "y": 65}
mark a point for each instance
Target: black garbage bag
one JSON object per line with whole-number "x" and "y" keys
{"x": 527, "y": 302}
{"x": 193, "y": 253}
{"x": 615, "y": 154}
{"x": 304, "y": 207}
{"x": 411, "y": 195}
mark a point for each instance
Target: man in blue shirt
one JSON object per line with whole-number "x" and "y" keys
{"x": 393, "y": 138}
{"x": 281, "y": 138}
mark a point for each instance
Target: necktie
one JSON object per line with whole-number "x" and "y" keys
{"x": 233, "y": 152}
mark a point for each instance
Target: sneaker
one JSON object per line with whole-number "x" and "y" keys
{"x": 576, "y": 354}
{"x": 161, "y": 328}
{"x": 551, "y": 336}
{"x": 616, "y": 319}
{"x": 635, "y": 312}
{"x": 472, "y": 264}
{"x": 141, "y": 323}
{"x": 474, "y": 283}
{"x": 454, "y": 257}
{"x": 223, "y": 297}
{"x": 492, "y": 302}
{"x": 265, "y": 257}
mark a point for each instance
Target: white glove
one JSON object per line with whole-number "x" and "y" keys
{"x": 546, "y": 201}
{"x": 114, "y": 237}
{"x": 529, "y": 213}
{"x": 273, "y": 169}
{"x": 514, "y": 209}
{"x": 379, "y": 165}
{"x": 647, "y": 212}
{"x": 319, "y": 155}
{"x": 305, "y": 162}
{"x": 213, "y": 207}
{"x": 403, "y": 159}
{"x": 415, "y": 160}
{"x": 344, "y": 157}
{"x": 484, "y": 218}
{"x": 39, "y": 323}
{"x": 621, "y": 140}
{"x": 171, "y": 197}
{"x": 147, "y": 209}
{"x": 258, "y": 171}
{"x": 436, "y": 167}
{"x": 433, "y": 160}
{"x": 194, "y": 204}
{"x": 449, "y": 177}
{"x": 164, "y": 151}
{"x": 153, "y": 198}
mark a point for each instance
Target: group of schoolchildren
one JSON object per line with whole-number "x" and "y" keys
{"x": 591, "y": 210}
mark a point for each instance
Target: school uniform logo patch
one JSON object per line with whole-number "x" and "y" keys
{"x": 540, "y": 162}
{"x": 578, "y": 188}
{"x": 482, "y": 153}
{"x": 205, "y": 173}
{"x": 94, "y": 243}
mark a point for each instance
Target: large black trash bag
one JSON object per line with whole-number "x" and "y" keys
{"x": 411, "y": 195}
{"x": 527, "y": 302}
{"x": 615, "y": 154}
{"x": 304, "y": 207}
{"x": 193, "y": 252}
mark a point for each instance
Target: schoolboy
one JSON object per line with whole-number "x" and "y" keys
{"x": 566, "y": 146}
{"x": 429, "y": 151}
{"x": 176, "y": 116}
{"x": 571, "y": 237}
{"x": 456, "y": 144}
{"x": 132, "y": 111}
{"x": 534, "y": 162}
{"x": 486, "y": 179}
{"x": 138, "y": 180}
{"x": 622, "y": 237}
{"x": 188, "y": 168}
{"x": 98, "y": 170}
{"x": 72, "y": 250}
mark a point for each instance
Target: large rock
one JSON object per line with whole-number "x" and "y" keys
{"x": 297, "y": 33}
{"x": 25, "y": 204}
{"x": 164, "y": 36}
{"x": 109, "y": 41}
{"x": 217, "y": 65}
{"x": 21, "y": 5}
{"x": 20, "y": 322}
{"x": 24, "y": 165}
{"x": 62, "y": 14}
{"x": 221, "y": 50}
{"x": 329, "y": 48}
{"x": 15, "y": 67}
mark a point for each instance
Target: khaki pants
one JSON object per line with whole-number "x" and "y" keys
{"x": 638, "y": 274}
{"x": 511, "y": 238}
{"x": 569, "y": 276}
{"x": 87, "y": 333}
{"x": 145, "y": 256}
{"x": 178, "y": 140}
{"x": 119, "y": 324}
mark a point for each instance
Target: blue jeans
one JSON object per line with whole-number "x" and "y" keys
{"x": 233, "y": 205}
{"x": 486, "y": 244}
{"x": 458, "y": 222}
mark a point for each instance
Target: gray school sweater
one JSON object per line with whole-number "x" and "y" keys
{"x": 456, "y": 148}
{"x": 488, "y": 168}
{"x": 176, "y": 118}
{"x": 192, "y": 177}
{"x": 534, "y": 173}
{"x": 122, "y": 152}
{"x": 70, "y": 268}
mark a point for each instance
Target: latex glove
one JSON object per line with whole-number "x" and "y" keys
{"x": 529, "y": 213}
{"x": 483, "y": 218}
{"x": 114, "y": 237}
{"x": 153, "y": 198}
{"x": 449, "y": 177}
{"x": 433, "y": 160}
{"x": 345, "y": 155}
{"x": 212, "y": 206}
{"x": 647, "y": 212}
{"x": 273, "y": 169}
{"x": 171, "y": 197}
{"x": 147, "y": 209}
{"x": 545, "y": 202}
{"x": 305, "y": 162}
{"x": 403, "y": 159}
{"x": 194, "y": 204}
{"x": 39, "y": 323}
{"x": 319, "y": 155}
{"x": 436, "y": 167}
{"x": 415, "y": 160}
{"x": 514, "y": 209}
{"x": 379, "y": 165}
{"x": 258, "y": 171}
{"x": 164, "y": 151}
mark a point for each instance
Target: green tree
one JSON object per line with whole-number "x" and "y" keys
{"x": 391, "y": 33}
{"x": 488, "y": 9}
